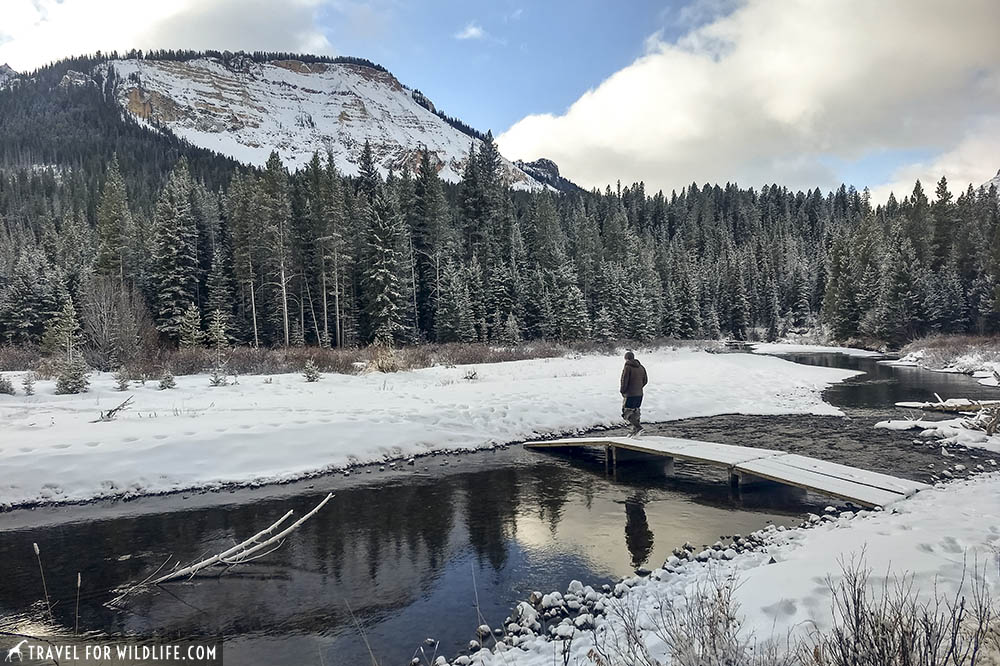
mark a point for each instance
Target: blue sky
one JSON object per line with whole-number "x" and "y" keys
{"x": 532, "y": 57}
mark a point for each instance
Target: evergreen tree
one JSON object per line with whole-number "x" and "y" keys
{"x": 72, "y": 376}
{"x": 174, "y": 270}
{"x": 114, "y": 225}
{"x": 217, "y": 338}
{"x": 62, "y": 334}
{"x": 189, "y": 333}
{"x": 454, "y": 318}
{"x": 381, "y": 279}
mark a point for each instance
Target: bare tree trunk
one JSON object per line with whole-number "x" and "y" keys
{"x": 413, "y": 284}
{"x": 312, "y": 310}
{"x": 284, "y": 300}
{"x": 337, "y": 329}
{"x": 326, "y": 317}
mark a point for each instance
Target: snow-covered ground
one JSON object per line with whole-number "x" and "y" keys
{"x": 268, "y": 429}
{"x": 980, "y": 365}
{"x": 793, "y": 348}
{"x": 949, "y": 431}
{"x": 936, "y": 539}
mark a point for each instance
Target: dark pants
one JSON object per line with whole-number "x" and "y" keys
{"x": 631, "y": 412}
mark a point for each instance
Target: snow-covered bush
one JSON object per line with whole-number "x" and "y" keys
{"x": 6, "y": 386}
{"x": 28, "y": 383}
{"x": 167, "y": 381}
{"x": 122, "y": 379}
{"x": 311, "y": 371}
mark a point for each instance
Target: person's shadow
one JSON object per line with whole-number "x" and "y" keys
{"x": 638, "y": 536}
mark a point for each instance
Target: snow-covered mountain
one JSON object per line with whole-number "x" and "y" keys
{"x": 7, "y": 73}
{"x": 994, "y": 181}
{"x": 246, "y": 109}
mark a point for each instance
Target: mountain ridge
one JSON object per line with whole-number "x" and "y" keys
{"x": 245, "y": 108}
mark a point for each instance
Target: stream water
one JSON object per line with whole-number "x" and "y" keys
{"x": 407, "y": 554}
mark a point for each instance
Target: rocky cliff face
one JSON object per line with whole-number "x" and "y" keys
{"x": 246, "y": 109}
{"x": 7, "y": 74}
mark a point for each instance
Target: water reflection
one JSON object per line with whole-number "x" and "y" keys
{"x": 638, "y": 536}
{"x": 402, "y": 555}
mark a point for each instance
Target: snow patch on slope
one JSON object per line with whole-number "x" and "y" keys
{"x": 246, "y": 109}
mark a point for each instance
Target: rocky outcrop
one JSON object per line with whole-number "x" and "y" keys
{"x": 246, "y": 109}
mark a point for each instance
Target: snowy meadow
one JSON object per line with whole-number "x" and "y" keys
{"x": 281, "y": 427}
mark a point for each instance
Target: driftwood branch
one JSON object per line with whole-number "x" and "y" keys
{"x": 267, "y": 540}
{"x": 112, "y": 413}
{"x": 953, "y": 405}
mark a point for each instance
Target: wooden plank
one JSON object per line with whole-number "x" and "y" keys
{"x": 849, "y": 483}
{"x": 857, "y": 475}
{"x": 775, "y": 470}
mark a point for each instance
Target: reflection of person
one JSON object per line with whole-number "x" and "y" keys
{"x": 638, "y": 536}
{"x": 633, "y": 379}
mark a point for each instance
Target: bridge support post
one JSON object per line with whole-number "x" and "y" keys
{"x": 668, "y": 466}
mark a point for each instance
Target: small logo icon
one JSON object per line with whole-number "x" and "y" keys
{"x": 16, "y": 650}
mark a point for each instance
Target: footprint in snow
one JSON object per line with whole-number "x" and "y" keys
{"x": 60, "y": 446}
{"x": 130, "y": 439}
{"x": 783, "y": 608}
{"x": 92, "y": 444}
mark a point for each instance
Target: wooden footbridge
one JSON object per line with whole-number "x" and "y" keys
{"x": 749, "y": 465}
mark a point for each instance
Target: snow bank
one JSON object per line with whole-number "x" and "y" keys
{"x": 790, "y": 348}
{"x": 978, "y": 364}
{"x": 280, "y": 428}
{"x": 936, "y": 537}
{"x": 949, "y": 431}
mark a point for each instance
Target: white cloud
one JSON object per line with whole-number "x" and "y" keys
{"x": 472, "y": 31}
{"x": 766, "y": 92}
{"x": 974, "y": 161}
{"x": 35, "y": 32}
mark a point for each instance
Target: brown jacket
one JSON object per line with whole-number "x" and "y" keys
{"x": 633, "y": 379}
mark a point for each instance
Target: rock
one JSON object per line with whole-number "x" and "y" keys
{"x": 430, "y": 641}
{"x": 585, "y": 621}
{"x": 474, "y": 646}
{"x": 729, "y": 554}
{"x": 642, "y": 571}
{"x": 575, "y": 587}
{"x": 959, "y": 468}
{"x": 484, "y": 630}
{"x": 535, "y": 598}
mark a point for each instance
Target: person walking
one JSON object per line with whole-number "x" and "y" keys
{"x": 633, "y": 380}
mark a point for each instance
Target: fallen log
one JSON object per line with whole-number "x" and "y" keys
{"x": 243, "y": 552}
{"x": 952, "y": 405}
{"x": 113, "y": 412}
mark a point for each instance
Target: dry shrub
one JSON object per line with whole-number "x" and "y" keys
{"x": 19, "y": 357}
{"x": 894, "y": 625}
{"x": 941, "y": 351}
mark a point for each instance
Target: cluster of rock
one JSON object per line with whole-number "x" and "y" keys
{"x": 558, "y": 617}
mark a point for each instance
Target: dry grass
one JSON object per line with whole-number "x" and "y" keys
{"x": 260, "y": 361}
{"x": 943, "y": 351}
{"x": 894, "y": 625}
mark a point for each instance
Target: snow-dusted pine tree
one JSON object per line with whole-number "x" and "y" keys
{"x": 189, "y": 333}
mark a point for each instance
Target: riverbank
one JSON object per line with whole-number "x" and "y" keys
{"x": 970, "y": 355}
{"x": 279, "y": 428}
{"x": 778, "y": 584}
